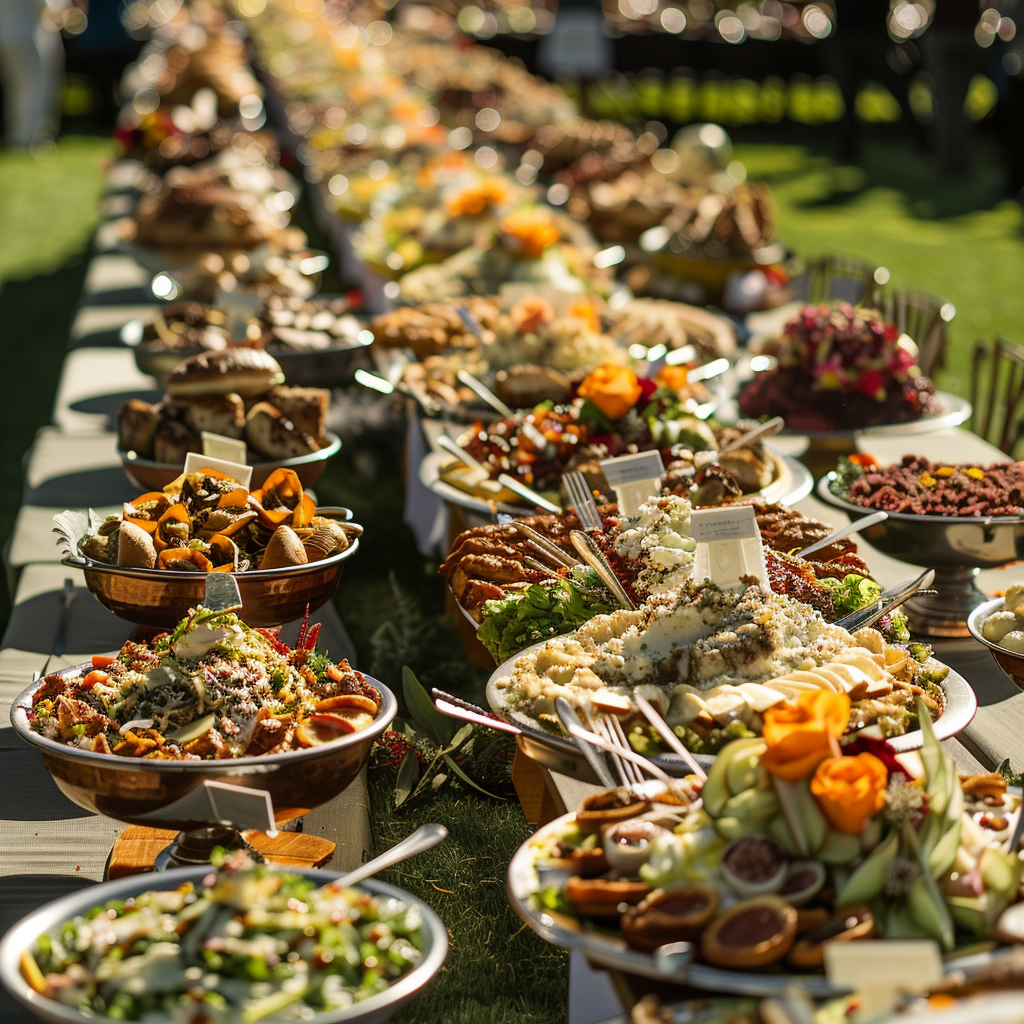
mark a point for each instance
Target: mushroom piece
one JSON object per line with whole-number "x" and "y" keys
{"x": 284, "y": 549}
{"x": 609, "y": 808}
{"x": 602, "y": 897}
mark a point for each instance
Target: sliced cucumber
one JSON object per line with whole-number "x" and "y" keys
{"x": 192, "y": 731}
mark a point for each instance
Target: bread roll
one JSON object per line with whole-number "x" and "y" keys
{"x": 137, "y": 422}
{"x": 242, "y": 371}
{"x": 271, "y": 435}
{"x": 135, "y": 547}
{"x": 173, "y": 442}
{"x": 219, "y": 414}
{"x": 305, "y": 407}
{"x": 284, "y": 548}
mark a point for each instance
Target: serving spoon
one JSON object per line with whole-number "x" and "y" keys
{"x": 425, "y": 837}
{"x": 855, "y": 527}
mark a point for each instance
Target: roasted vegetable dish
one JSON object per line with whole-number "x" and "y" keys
{"x": 213, "y": 688}
{"x": 207, "y": 522}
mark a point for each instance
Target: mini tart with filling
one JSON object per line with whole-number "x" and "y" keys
{"x": 609, "y": 807}
{"x": 750, "y": 934}
{"x": 676, "y": 916}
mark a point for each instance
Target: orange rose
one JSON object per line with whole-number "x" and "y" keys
{"x": 613, "y": 389}
{"x": 584, "y": 311}
{"x": 477, "y": 198}
{"x": 849, "y": 790}
{"x": 531, "y": 314}
{"x": 672, "y": 377}
{"x": 530, "y": 231}
{"x": 801, "y": 734}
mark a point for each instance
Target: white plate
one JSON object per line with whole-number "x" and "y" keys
{"x": 793, "y": 483}
{"x": 961, "y": 706}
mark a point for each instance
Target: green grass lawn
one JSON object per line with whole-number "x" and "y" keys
{"x": 951, "y": 238}
{"x": 48, "y": 212}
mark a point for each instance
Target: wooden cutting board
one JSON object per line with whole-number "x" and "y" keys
{"x": 136, "y": 848}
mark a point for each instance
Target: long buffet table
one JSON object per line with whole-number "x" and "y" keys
{"x": 47, "y": 845}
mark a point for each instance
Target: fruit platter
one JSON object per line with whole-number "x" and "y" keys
{"x": 795, "y": 839}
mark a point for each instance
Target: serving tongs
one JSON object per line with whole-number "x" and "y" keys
{"x": 465, "y": 711}
{"x": 889, "y": 599}
{"x": 594, "y": 557}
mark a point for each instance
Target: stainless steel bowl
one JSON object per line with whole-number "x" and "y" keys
{"x": 374, "y": 1010}
{"x": 955, "y": 547}
{"x": 155, "y": 476}
{"x": 138, "y": 790}
{"x": 1012, "y": 664}
{"x": 162, "y": 598}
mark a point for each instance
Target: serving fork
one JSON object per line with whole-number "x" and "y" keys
{"x": 581, "y": 498}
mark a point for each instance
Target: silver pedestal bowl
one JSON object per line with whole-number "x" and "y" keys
{"x": 957, "y": 548}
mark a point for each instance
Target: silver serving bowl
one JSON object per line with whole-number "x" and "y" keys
{"x": 162, "y": 598}
{"x": 374, "y": 1010}
{"x": 1009, "y": 661}
{"x": 956, "y": 547}
{"x": 140, "y": 790}
{"x": 155, "y": 476}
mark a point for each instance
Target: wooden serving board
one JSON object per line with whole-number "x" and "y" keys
{"x": 136, "y": 848}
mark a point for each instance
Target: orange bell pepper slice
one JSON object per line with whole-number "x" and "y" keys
{"x": 304, "y": 512}
{"x": 130, "y": 509}
{"x": 173, "y": 558}
{"x": 238, "y": 497}
{"x": 93, "y": 678}
{"x": 102, "y": 660}
{"x": 280, "y": 498}
{"x": 176, "y": 513}
{"x": 223, "y": 551}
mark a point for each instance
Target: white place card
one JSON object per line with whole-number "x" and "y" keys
{"x": 728, "y": 545}
{"x": 223, "y": 804}
{"x": 634, "y": 478}
{"x": 227, "y": 449}
{"x": 714, "y": 524}
{"x": 879, "y": 971}
{"x": 195, "y": 461}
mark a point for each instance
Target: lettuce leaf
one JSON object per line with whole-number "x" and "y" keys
{"x": 529, "y": 616}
